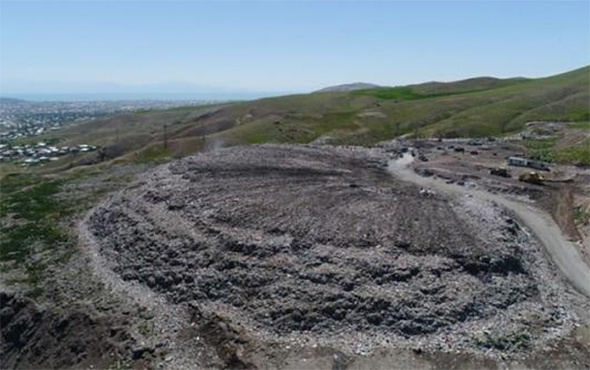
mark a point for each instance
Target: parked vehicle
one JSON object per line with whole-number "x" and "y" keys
{"x": 502, "y": 172}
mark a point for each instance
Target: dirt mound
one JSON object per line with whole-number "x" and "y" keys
{"x": 290, "y": 239}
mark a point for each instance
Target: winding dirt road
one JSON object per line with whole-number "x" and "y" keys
{"x": 563, "y": 253}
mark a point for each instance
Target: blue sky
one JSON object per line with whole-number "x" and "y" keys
{"x": 83, "y": 46}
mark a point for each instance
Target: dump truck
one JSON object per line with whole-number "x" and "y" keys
{"x": 532, "y": 177}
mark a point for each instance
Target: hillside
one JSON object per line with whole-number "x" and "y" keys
{"x": 283, "y": 255}
{"x": 477, "y": 107}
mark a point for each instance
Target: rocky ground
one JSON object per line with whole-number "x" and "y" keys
{"x": 258, "y": 254}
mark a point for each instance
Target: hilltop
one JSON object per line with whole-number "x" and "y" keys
{"x": 470, "y": 84}
{"x": 349, "y": 87}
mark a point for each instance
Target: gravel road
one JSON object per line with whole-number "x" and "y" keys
{"x": 563, "y": 253}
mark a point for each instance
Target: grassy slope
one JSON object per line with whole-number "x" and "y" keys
{"x": 562, "y": 97}
{"x": 569, "y": 146}
{"x": 471, "y": 84}
{"x": 474, "y": 107}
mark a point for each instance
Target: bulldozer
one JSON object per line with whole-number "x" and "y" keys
{"x": 533, "y": 178}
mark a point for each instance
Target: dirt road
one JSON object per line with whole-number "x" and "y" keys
{"x": 563, "y": 253}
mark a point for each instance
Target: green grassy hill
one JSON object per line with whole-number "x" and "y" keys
{"x": 475, "y": 107}
{"x": 469, "y": 85}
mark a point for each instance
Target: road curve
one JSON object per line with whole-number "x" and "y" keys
{"x": 563, "y": 253}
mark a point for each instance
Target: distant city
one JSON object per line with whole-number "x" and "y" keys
{"x": 30, "y": 115}
{"x": 20, "y": 118}
{"x": 33, "y": 154}
{"x": 142, "y": 95}
{"x": 23, "y": 118}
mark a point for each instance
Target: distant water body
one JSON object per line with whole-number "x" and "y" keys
{"x": 142, "y": 96}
